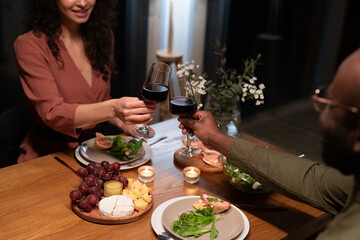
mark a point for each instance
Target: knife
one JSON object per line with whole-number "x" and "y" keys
{"x": 260, "y": 207}
{"x": 65, "y": 164}
{"x": 158, "y": 140}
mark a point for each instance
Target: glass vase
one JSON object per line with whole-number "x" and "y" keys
{"x": 227, "y": 114}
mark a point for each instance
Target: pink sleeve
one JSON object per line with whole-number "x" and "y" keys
{"x": 33, "y": 56}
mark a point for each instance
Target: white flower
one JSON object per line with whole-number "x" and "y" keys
{"x": 261, "y": 86}
{"x": 196, "y": 81}
{"x": 258, "y": 102}
{"x": 243, "y": 99}
{"x": 252, "y": 91}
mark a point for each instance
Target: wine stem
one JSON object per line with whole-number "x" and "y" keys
{"x": 188, "y": 142}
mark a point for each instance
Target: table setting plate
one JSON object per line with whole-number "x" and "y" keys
{"x": 196, "y": 161}
{"x": 85, "y": 153}
{"x": 163, "y": 209}
{"x": 89, "y": 152}
{"x": 95, "y": 216}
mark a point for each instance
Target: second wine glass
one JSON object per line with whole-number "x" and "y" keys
{"x": 182, "y": 102}
{"x": 155, "y": 88}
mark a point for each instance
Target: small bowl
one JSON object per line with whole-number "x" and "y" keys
{"x": 242, "y": 181}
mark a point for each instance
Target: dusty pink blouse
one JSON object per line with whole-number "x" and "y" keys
{"x": 53, "y": 91}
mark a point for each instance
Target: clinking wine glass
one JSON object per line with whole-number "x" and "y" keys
{"x": 155, "y": 88}
{"x": 182, "y": 102}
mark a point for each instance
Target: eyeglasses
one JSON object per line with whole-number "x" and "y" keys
{"x": 320, "y": 101}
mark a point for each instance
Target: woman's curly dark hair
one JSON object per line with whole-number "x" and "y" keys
{"x": 97, "y": 33}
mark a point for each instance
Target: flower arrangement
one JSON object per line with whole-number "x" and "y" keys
{"x": 232, "y": 88}
{"x": 237, "y": 85}
{"x": 197, "y": 80}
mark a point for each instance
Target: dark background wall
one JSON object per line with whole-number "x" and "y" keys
{"x": 301, "y": 42}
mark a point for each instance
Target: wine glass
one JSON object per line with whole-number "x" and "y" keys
{"x": 155, "y": 88}
{"x": 182, "y": 102}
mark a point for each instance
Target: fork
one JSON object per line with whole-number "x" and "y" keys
{"x": 163, "y": 236}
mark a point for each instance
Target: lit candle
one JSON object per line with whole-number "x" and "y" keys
{"x": 191, "y": 174}
{"x": 146, "y": 174}
{"x": 112, "y": 188}
{"x": 170, "y": 28}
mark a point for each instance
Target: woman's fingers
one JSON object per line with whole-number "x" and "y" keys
{"x": 131, "y": 110}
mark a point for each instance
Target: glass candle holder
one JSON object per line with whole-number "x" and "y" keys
{"x": 146, "y": 174}
{"x": 191, "y": 174}
{"x": 112, "y": 188}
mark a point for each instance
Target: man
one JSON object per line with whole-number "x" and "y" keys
{"x": 334, "y": 189}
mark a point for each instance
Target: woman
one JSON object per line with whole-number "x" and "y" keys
{"x": 65, "y": 65}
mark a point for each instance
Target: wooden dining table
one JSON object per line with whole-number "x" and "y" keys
{"x": 35, "y": 203}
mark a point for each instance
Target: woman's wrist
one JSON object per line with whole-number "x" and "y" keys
{"x": 112, "y": 108}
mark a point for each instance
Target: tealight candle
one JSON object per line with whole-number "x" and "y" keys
{"x": 191, "y": 174}
{"x": 146, "y": 174}
{"x": 112, "y": 188}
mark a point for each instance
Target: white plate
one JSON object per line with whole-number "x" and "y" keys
{"x": 142, "y": 160}
{"x": 156, "y": 218}
{"x": 91, "y": 153}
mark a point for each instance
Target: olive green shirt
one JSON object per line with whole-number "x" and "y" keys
{"x": 303, "y": 180}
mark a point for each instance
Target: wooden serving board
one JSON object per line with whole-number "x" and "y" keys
{"x": 96, "y": 217}
{"x": 196, "y": 161}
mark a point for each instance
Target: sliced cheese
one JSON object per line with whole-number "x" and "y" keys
{"x": 116, "y": 206}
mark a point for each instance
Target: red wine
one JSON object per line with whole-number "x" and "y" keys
{"x": 155, "y": 92}
{"x": 181, "y": 105}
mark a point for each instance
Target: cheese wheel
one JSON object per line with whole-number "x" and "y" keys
{"x": 116, "y": 206}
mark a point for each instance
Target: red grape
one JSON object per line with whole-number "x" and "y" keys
{"x": 115, "y": 166}
{"x": 82, "y": 172}
{"x": 90, "y": 168}
{"x": 102, "y": 171}
{"x": 107, "y": 176}
{"x": 96, "y": 173}
{"x": 106, "y": 165}
{"x": 75, "y": 195}
{"x": 99, "y": 183}
{"x": 121, "y": 179}
{"x": 84, "y": 203}
{"x": 88, "y": 209}
{"x": 90, "y": 180}
{"x": 93, "y": 199}
{"x": 83, "y": 188}
{"x": 97, "y": 165}
{"x": 101, "y": 193}
{"x": 93, "y": 190}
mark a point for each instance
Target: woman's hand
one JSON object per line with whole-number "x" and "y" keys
{"x": 132, "y": 110}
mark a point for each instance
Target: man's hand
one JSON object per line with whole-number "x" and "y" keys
{"x": 203, "y": 125}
